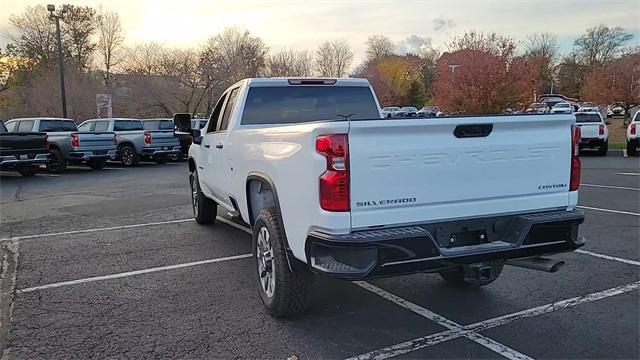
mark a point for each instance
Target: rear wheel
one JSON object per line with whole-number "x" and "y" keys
{"x": 28, "y": 171}
{"x": 204, "y": 209}
{"x": 128, "y": 156}
{"x": 602, "y": 151}
{"x": 97, "y": 164}
{"x": 57, "y": 163}
{"x": 283, "y": 292}
{"x": 631, "y": 148}
{"x": 466, "y": 275}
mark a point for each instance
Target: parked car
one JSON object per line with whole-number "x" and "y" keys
{"x": 632, "y": 136}
{"x": 390, "y": 111}
{"x": 428, "y": 111}
{"x": 562, "y": 108}
{"x": 588, "y": 107}
{"x": 134, "y": 142}
{"x": 595, "y": 133}
{"x": 537, "y": 108}
{"x": 67, "y": 144}
{"x": 198, "y": 123}
{"x": 23, "y": 152}
{"x": 615, "y": 110}
{"x": 407, "y": 111}
{"x": 370, "y": 198}
{"x": 167, "y": 124}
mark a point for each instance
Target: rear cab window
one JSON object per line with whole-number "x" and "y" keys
{"x": 69, "y": 126}
{"x": 158, "y": 125}
{"x": 57, "y": 125}
{"x": 86, "y": 126}
{"x": 300, "y": 104}
{"x": 588, "y": 118}
{"x": 127, "y": 125}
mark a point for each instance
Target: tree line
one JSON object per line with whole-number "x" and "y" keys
{"x": 477, "y": 73}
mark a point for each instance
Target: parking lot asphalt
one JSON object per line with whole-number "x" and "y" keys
{"x": 110, "y": 264}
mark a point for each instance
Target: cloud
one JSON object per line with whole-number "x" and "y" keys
{"x": 442, "y": 24}
{"x": 413, "y": 44}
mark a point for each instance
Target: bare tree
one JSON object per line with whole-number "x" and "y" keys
{"x": 289, "y": 63}
{"x": 378, "y": 46}
{"x": 143, "y": 59}
{"x": 491, "y": 43}
{"x": 110, "y": 39}
{"x": 601, "y": 44}
{"x": 33, "y": 35}
{"x": 542, "y": 45}
{"x": 190, "y": 85}
{"x": 80, "y": 24}
{"x": 333, "y": 59}
{"x": 233, "y": 55}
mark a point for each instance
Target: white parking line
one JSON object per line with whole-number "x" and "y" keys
{"x": 609, "y": 210}
{"x": 624, "y": 153}
{"x": 610, "y": 187}
{"x": 490, "y": 344}
{"x": 73, "y": 232}
{"x": 608, "y": 257}
{"x": 131, "y": 273}
{"x": 93, "y": 230}
{"x": 433, "y": 339}
{"x": 629, "y": 174}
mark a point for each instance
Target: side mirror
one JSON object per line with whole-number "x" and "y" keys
{"x": 608, "y": 122}
{"x": 182, "y": 122}
{"x": 196, "y": 135}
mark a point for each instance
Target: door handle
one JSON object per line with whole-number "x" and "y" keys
{"x": 207, "y": 146}
{"x": 219, "y": 146}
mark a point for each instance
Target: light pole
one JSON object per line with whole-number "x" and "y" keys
{"x": 56, "y": 18}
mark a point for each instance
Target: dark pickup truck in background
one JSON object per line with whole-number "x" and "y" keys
{"x": 23, "y": 152}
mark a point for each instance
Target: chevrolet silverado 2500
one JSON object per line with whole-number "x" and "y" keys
{"x": 330, "y": 186}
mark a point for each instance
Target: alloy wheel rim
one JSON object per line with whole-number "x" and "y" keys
{"x": 266, "y": 265}
{"x": 194, "y": 196}
{"x": 127, "y": 157}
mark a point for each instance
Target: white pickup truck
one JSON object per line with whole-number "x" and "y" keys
{"x": 329, "y": 186}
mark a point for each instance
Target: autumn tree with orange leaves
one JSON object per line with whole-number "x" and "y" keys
{"x": 617, "y": 81}
{"x": 478, "y": 81}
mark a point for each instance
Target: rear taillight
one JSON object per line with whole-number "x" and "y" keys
{"x": 147, "y": 137}
{"x": 75, "y": 142}
{"x": 601, "y": 130}
{"x": 633, "y": 129}
{"x": 334, "y": 182}
{"x": 575, "y": 160}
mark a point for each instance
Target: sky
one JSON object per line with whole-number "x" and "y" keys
{"x": 305, "y": 24}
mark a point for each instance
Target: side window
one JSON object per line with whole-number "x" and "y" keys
{"x": 25, "y": 126}
{"x": 213, "y": 121}
{"x": 224, "y": 121}
{"x": 86, "y": 126}
{"x": 50, "y": 125}
{"x": 11, "y": 126}
{"x": 124, "y": 125}
{"x": 101, "y": 126}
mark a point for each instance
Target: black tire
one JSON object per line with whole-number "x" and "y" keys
{"x": 602, "y": 151}
{"x": 631, "y": 149}
{"x": 204, "y": 209}
{"x": 57, "y": 164}
{"x": 176, "y": 157}
{"x": 290, "y": 290}
{"x": 457, "y": 277}
{"x": 128, "y": 156}
{"x": 28, "y": 171}
{"x": 162, "y": 159}
{"x": 97, "y": 164}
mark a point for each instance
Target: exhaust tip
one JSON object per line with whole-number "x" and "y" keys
{"x": 556, "y": 266}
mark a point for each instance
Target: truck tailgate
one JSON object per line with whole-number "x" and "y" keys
{"x": 408, "y": 171}
{"x": 163, "y": 138}
{"x": 22, "y": 141}
{"x": 589, "y": 131}
{"x": 96, "y": 139}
